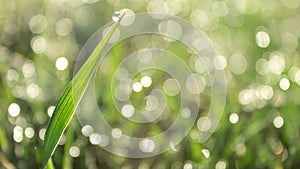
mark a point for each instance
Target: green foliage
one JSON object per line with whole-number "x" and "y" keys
{"x": 69, "y": 100}
{"x": 35, "y": 34}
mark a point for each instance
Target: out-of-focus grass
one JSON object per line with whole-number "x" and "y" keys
{"x": 34, "y": 34}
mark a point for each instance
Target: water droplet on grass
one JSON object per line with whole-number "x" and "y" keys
{"x": 127, "y": 15}
{"x": 116, "y": 16}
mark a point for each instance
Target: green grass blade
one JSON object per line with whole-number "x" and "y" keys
{"x": 71, "y": 97}
{"x": 3, "y": 140}
{"x": 50, "y": 164}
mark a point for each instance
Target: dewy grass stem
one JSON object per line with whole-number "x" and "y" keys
{"x": 71, "y": 96}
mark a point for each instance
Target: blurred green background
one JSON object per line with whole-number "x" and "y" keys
{"x": 257, "y": 42}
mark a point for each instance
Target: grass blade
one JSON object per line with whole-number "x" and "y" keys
{"x": 71, "y": 97}
{"x": 50, "y": 164}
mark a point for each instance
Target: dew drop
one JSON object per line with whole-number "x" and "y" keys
{"x": 116, "y": 16}
{"x": 127, "y": 15}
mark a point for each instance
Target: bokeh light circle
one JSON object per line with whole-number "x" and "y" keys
{"x": 112, "y": 139}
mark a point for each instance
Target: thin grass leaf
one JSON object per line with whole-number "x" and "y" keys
{"x": 50, "y": 164}
{"x": 71, "y": 97}
{"x": 3, "y": 140}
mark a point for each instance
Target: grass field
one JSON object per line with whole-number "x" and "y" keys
{"x": 257, "y": 48}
